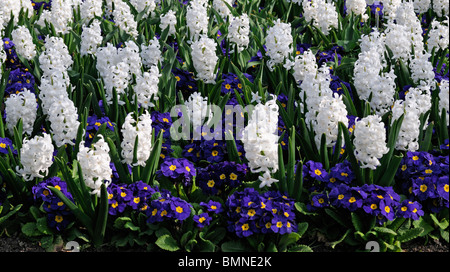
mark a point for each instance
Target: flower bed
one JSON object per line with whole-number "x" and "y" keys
{"x": 224, "y": 125}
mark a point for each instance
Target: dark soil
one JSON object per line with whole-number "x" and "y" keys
{"x": 421, "y": 245}
{"x": 16, "y": 243}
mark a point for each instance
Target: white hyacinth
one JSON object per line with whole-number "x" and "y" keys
{"x": 130, "y": 55}
{"x": 22, "y": 105}
{"x": 141, "y": 128}
{"x": 444, "y": 98}
{"x": 204, "y": 58}
{"x": 331, "y": 112}
{"x": 116, "y": 67}
{"x": 169, "y": 20}
{"x": 36, "y": 157}
{"x": 304, "y": 64}
{"x": 409, "y": 131}
{"x": 369, "y": 141}
{"x": 315, "y": 87}
{"x": 146, "y": 87}
{"x": 23, "y": 42}
{"x": 91, "y": 38}
{"x": 141, "y": 5}
{"x": 406, "y": 16}
{"x": 123, "y": 17}
{"x": 221, "y": 8}
{"x": 438, "y": 37}
{"x": 369, "y": 80}
{"x": 54, "y": 62}
{"x": 13, "y": 7}
{"x": 421, "y": 6}
{"x": 197, "y": 18}
{"x": 239, "y": 31}
{"x": 390, "y": 8}
{"x": 417, "y": 101}
{"x": 398, "y": 39}
{"x": 260, "y": 139}
{"x": 151, "y": 53}
{"x": 358, "y": 7}
{"x": 322, "y": 14}
{"x": 197, "y": 109}
{"x": 441, "y": 7}
{"x": 375, "y": 40}
{"x": 279, "y": 42}
{"x": 64, "y": 122}
{"x": 422, "y": 70}
{"x": 94, "y": 162}
{"x": 89, "y": 9}
{"x": 60, "y": 16}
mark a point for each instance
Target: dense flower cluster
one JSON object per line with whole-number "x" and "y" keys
{"x": 370, "y": 141}
{"x": 140, "y": 128}
{"x": 5, "y": 145}
{"x": 336, "y": 188}
{"x": 177, "y": 170}
{"x": 322, "y": 14}
{"x": 260, "y": 139}
{"x": 220, "y": 177}
{"x": 250, "y": 212}
{"x": 278, "y": 43}
{"x": 239, "y": 31}
{"x": 95, "y": 163}
{"x": 24, "y": 42}
{"x": 91, "y": 38}
{"x": 36, "y": 156}
{"x": 92, "y": 126}
{"x": 21, "y": 106}
{"x": 213, "y": 208}
{"x": 169, "y": 20}
{"x": 425, "y": 178}
{"x": 204, "y": 58}
{"x": 59, "y": 215}
{"x": 158, "y": 205}
{"x": 197, "y": 18}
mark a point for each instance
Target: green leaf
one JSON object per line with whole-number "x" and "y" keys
{"x": 84, "y": 219}
{"x": 385, "y": 231}
{"x": 47, "y": 242}
{"x": 30, "y": 229}
{"x": 131, "y": 226}
{"x": 410, "y": 234}
{"x": 151, "y": 164}
{"x": 167, "y": 242}
{"x": 357, "y": 222}
{"x": 10, "y": 213}
{"x": 350, "y": 154}
{"x": 443, "y": 224}
{"x": 300, "y": 248}
{"x": 287, "y": 240}
{"x": 444, "y": 235}
{"x": 42, "y": 226}
{"x": 102, "y": 217}
{"x": 234, "y": 246}
{"x": 337, "y": 217}
{"x": 301, "y": 207}
{"x": 120, "y": 222}
{"x": 427, "y": 228}
{"x": 335, "y": 243}
{"x": 301, "y": 228}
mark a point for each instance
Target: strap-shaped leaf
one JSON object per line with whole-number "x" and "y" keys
{"x": 102, "y": 217}
{"x": 79, "y": 214}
